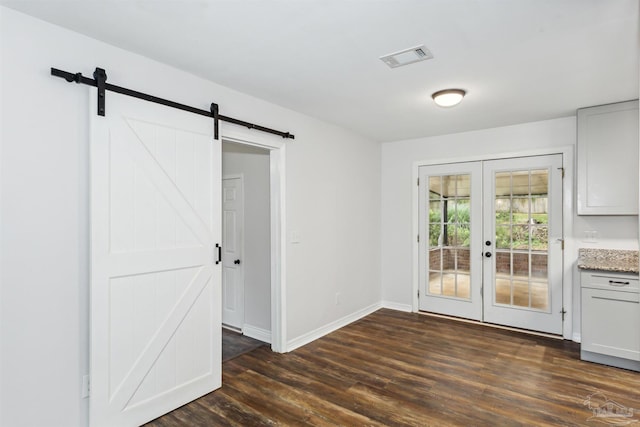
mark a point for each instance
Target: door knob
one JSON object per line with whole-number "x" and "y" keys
{"x": 236, "y": 261}
{"x": 487, "y": 254}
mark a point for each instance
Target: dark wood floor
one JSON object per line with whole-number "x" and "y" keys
{"x": 393, "y": 368}
{"x": 234, "y": 344}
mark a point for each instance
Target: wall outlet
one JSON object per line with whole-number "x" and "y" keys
{"x": 86, "y": 387}
{"x": 590, "y": 236}
{"x": 295, "y": 237}
{"x": 337, "y": 298}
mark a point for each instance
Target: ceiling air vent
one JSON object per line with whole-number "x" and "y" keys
{"x": 407, "y": 56}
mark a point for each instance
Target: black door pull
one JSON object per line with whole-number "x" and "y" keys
{"x": 487, "y": 254}
{"x": 236, "y": 261}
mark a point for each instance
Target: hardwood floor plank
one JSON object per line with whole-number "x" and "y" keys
{"x": 404, "y": 369}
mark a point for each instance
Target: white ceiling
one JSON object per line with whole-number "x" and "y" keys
{"x": 519, "y": 60}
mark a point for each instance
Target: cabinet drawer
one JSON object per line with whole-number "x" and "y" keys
{"x": 610, "y": 282}
{"x": 610, "y": 322}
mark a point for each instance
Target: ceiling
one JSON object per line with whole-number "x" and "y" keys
{"x": 519, "y": 61}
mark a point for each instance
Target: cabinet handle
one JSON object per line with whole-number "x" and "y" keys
{"x": 618, "y": 283}
{"x": 615, "y": 299}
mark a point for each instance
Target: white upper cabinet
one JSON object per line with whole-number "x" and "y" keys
{"x": 607, "y": 170}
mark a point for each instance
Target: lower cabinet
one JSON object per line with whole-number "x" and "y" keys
{"x": 610, "y": 319}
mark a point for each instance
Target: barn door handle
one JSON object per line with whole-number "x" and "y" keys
{"x": 219, "y": 260}
{"x": 236, "y": 261}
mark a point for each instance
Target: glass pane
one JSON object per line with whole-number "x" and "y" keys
{"x": 435, "y": 189}
{"x": 448, "y": 260}
{"x": 520, "y": 264}
{"x": 448, "y": 186}
{"x": 464, "y": 235}
{"x": 539, "y": 182}
{"x": 435, "y": 259}
{"x": 520, "y": 183}
{"x": 503, "y": 183}
{"x": 503, "y": 237}
{"x": 464, "y": 286}
{"x": 435, "y": 235}
{"x": 540, "y": 295}
{"x": 503, "y": 290}
{"x": 503, "y": 211}
{"x": 449, "y": 235}
{"x": 520, "y": 237}
{"x": 522, "y": 234}
{"x": 539, "y": 237}
{"x": 463, "y": 186}
{"x": 539, "y": 265}
{"x": 462, "y": 260}
{"x": 435, "y": 211}
{"x": 449, "y": 284}
{"x": 462, "y": 211}
{"x": 520, "y": 293}
{"x": 435, "y": 283}
{"x": 503, "y": 264}
{"x": 520, "y": 208}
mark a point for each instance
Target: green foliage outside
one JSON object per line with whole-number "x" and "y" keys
{"x": 458, "y": 228}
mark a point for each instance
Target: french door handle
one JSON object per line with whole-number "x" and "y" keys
{"x": 236, "y": 261}
{"x": 487, "y": 254}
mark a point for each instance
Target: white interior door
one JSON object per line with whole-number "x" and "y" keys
{"x": 450, "y": 239}
{"x": 155, "y": 287}
{"x": 232, "y": 251}
{"x": 523, "y": 230}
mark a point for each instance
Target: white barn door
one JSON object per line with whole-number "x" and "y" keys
{"x": 155, "y": 286}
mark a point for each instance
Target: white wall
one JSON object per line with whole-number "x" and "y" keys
{"x": 253, "y": 164}
{"x": 332, "y": 200}
{"x": 397, "y": 192}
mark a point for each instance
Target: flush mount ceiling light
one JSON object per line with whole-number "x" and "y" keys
{"x": 448, "y": 97}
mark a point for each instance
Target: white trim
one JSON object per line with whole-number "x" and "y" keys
{"x": 576, "y": 338}
{"x": 277, "y": 179}
{"x": 568, "y": 161}
{"x": 397, "y": 306}
{"x": 335, "y": 325}
{"x": 257, "y": 333}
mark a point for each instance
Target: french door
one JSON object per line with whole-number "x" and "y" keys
{"x": 450, "y": 212}
{"x": 155, "y": 286}
{"x": 491, "y": 241}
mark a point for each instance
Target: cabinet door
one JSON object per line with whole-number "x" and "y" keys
{"x": 610, "y": 323}
{"x": 608, "y": 159}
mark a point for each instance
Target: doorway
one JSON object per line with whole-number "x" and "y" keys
{"x": 246, "y": 242}
{"x": 491, "y": 241}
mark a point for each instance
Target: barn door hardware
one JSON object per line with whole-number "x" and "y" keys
{"x": 99, "y": 81}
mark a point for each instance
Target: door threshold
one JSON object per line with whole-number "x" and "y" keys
{"x": 492, "y": 325}
{"x": 232, "y": 328}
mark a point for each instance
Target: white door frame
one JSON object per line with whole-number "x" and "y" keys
{"x": 277, "y": 179}
{"x": 567, "y": 220}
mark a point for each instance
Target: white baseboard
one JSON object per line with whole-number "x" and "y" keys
{"x": 327, "y": 329}
{"x": 397, "y": 306}
{"x": 576, "y": 337}
{"x": 257, "y": 333}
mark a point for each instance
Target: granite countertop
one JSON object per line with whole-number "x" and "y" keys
{"x": 617, "y": 260}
